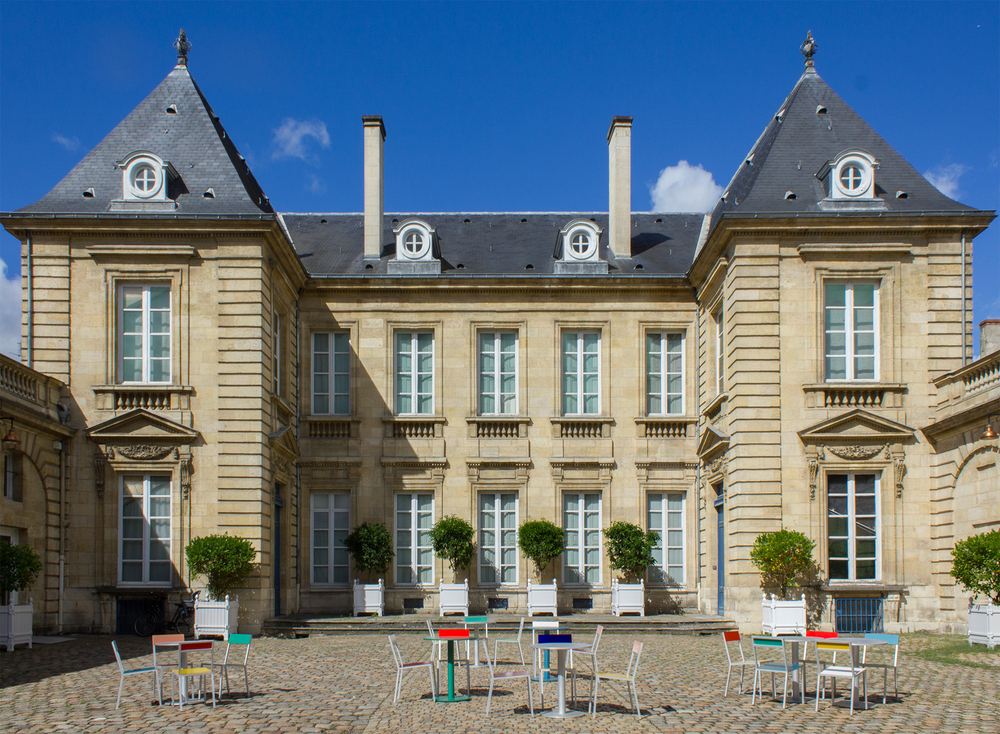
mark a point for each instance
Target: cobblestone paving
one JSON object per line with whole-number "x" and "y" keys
{"x": 345, "y": 683}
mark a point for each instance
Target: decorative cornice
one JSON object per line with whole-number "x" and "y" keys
{"x": 855, "y": 451}
{"x": 143, "y": 452}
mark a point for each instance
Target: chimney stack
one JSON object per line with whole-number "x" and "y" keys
{"x": 989, "y": 336}
{"x": 620, "y": 187}
{"x": 374, "y": 190}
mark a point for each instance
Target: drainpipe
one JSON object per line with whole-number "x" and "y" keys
{"x": 298, "y": 438}
{"x": 30, "y": 338}
{"x": 965, "y": 354}
{"x": 62, "y": 536}
{"x": 697, "y": 471}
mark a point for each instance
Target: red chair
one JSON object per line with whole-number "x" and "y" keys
{"x": 742, "y": 663}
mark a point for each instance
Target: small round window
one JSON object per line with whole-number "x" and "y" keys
{"x": 145, "y": 180}
{"x": 581, "y": 245}
{"x": 853, "y": 177}
{"x": 414, "y": 244}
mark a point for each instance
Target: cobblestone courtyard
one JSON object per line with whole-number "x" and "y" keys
{"x": 344, "y": 683}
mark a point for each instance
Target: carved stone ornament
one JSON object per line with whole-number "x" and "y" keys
{"x": 99, "y": 474}
{"x": 855, "y": 452}
{"x": 899, "y": 470}
{"x": 144, "y": 453}
{"x": 185, "y": 478}
{"x": 716, "y": 466}
{"x": 813, "y": 474}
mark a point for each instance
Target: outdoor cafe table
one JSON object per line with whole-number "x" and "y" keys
{"x": 798, "y": 695}
{"x": 182, "y": 685}
{"x": 561, "y": 648}
{"x": 452, "y": 636}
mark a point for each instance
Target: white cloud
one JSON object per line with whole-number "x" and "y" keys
{"x": 945, "y": 178}
{"x": 315, "y": 185}
{"x": 69, "y": 144}
{"x": 10, "y": 313}
{"x": 290, "y": 140}
{"x": 684, "y": 188}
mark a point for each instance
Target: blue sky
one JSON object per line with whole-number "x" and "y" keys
{"x": 502, "y": 106}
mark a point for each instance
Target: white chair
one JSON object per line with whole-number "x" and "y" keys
{"x": 225, "y": 665}
{"x": 768, "y": 645}
{"x": 402, "y": 667}
{"x": 135, "y": 671}
{"x": 538, "y": 669}
{"x": 516, "y": 641}
{"x": 590, "y": 655}
{"x": 508, "y": 675}
{"x": 742, "y": 663}
{"x": 892, "y": 640}
{"x": 833, "y": 672}
{"x": 628, "y": 678}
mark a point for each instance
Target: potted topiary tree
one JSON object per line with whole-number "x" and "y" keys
{"x": 370, "y": 546}
{"x": 783, "y": 558}
{"x": 226, "y": 562}
{"x": 451, "y": 538}
{"x": 630, "y": 550}
{"x": 541, "y": 541}
{"x": 19, "y": 567}
{"x": 975, "y": 565}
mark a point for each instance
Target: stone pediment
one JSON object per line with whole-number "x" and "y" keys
{"x": 857, "y": 427}
{"x": 141, "y": 426}
{"x": 712, "y": 443}
{"x": 283, "y": 442}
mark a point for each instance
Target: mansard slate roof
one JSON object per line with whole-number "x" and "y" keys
{"x": 192, "y": 140}
{"x": 504, "y": 244}
{"x": 799, "y": 140}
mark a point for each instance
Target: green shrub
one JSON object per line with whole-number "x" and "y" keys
{"x": 630, "y": 548}
{"x": 783, "y": 558}
{"x": 541, "y": 541}
{"x": 452, "y": 538}
{"x": 19, "y": 567}
{"x": 975, "y": 564}
{"x": 226, "y": 562}
{"x": 370, "y": 546}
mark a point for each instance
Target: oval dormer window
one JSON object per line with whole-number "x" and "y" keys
{"x": 144, "y": 180}
{"x": 144, "y": 177}
{"x": 852, "y": 176}
{"x": 414, "y": 244}
{"x": 581, "y": 245}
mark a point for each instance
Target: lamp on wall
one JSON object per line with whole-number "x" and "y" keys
{"x": 988, "y": 435}
{"x": 10, "y": 441}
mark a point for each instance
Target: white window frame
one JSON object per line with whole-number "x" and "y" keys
{"x": 589, "y": 555}
{"x": 658, "y": 380}
{"x": 145, "y": 539}
{"x": 664, "y": 521}
{"x": 496, "y": 545}
{"x": 276, "y": 353}
{"x": 852, "y": 528}
{"x": 579, "y": 373}
{"x": 413, "y": 374}
{"x": 419, "y": 541}
{"x": 145, "y": 334}
{"x": 489, "y": 344}
{"x": 337, "y": 556}
{"x": 850, "y": 333}
{"x": 720, "y": 351}
{"x": 338, "y": 381}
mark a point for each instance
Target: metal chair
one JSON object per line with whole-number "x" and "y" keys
{"x": 886, "y": 667}
{"x": 402, "y": 667}
{"x": 742, "y": 663}
{"x": 768, "y": 645}
{"x": 186, "y": 675}
{"x": 517, "y": 641}
{"x": 508, "y": 675}
{"x": 164, "y": 668}
{"x": 135, "y": 671}
{"x": 628, "y": 677}
{"x": 833, "y": 672}
{"x": 591, "y": 656}
{"x": 225, "y": 665}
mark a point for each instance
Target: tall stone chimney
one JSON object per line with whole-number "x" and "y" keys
{"x": 374, "y": 190}
{"x": 989, "y": 336}
{"x": 620, "y": 187}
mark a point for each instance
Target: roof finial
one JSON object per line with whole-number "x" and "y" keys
{"x": 182, "y": 46}
{"x": 808, "y": 49}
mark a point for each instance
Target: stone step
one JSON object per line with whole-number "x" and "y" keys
{"x": 305, "y": 625}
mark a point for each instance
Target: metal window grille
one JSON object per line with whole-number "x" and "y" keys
{"x": 126, "y": 610}
{"x": 586, "y": 603}
{"x": 413, "y": 603}
{"x": 858, "y": 615}
{"x": 498, "y": 603}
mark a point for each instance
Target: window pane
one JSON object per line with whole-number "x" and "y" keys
{"x": 838, "y": 569}
{"x": 159, "y": 297}
{"x": 836, "y": 294}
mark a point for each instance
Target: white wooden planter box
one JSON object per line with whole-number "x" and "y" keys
{"x": 784, "y": 617}
{"x": 541, "y": 598}
{"x": 455, "y": 598}
{"x": 15, "y": 624}
{"x": 216, "y": 617}
{"x": 984, "y": 625}
{"x": 628, "y": 598}
{"x": 369, "y": 598}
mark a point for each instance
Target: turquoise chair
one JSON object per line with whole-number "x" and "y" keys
{"x": 769, "y": 646}
{"x": 886, "y": 667}
{"x": 225, "y": 665}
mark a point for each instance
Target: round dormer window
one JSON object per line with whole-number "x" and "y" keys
{"x": 144, "y": 180}
{"x": 853, "y": 177}
{"x": 582, "y": 245}
{"x": 415, "y": 244}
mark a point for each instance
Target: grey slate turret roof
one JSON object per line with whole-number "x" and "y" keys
{"x": 796, "y": 143}
{"x": 192, "y": 139}
{"x": 494, "y": 244}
